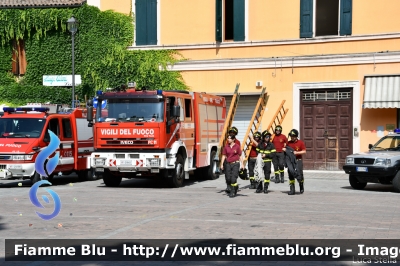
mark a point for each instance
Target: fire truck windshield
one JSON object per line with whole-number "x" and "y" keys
{"x": 21, "y": 127}
{"x": 131, "y": 110}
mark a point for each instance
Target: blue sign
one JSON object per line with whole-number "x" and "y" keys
{"x": 103, "y": 103}
{"x": 40, "y": 169}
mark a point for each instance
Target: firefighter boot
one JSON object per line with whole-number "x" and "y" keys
{"x": 228, "y": 188}
{"x": 259, "y": 187}
{"x": 252, "y": 183}
{"x": 277, "y": 178}
{"x": 292, "y": 190}
{"x": 301, "y": 184}
{"x": 232, "y": 191}
{"x": 282, "y": 177}
{"x": 236, "y": 188}
{"x": 266, "y": 187}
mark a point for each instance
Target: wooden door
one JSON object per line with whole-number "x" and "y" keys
{"x": 326, "y": 128}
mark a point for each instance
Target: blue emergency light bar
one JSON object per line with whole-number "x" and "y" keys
{"x": 8, "y": 109}
{"x": 397, "y": 130}
{"x": 159, "y": 92}
{"x": 25, "y": 109}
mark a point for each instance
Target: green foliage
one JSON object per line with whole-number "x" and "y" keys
{"x": 101, "y": 57}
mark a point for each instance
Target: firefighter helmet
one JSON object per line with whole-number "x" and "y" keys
{"x": 257, "y": 135}
{"x": 233, "y": 129}
{"x": 266, "y": 133}
{"x": 243, "y": 174}
{"x": 278, "y": 127}
{"x": 294, "y": 133}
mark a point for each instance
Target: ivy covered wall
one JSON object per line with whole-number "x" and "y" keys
{"x": 101, "y": 57}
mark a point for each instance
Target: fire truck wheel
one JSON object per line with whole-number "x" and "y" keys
{"x": 35, "y": 178}
{"x": 213, "y": 167}
{"x": 86, "y": 175}
{"x": 110, "y": 180}
{"x": 178, "y": 175}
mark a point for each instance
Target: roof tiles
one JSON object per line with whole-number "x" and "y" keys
{"x": 40, "y": 3}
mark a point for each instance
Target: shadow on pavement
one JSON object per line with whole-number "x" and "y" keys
{"x": 374, "y": 188}
{"x": 57, "y": 181}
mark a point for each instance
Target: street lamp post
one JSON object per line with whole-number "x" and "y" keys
{"x": 72, "y": 25}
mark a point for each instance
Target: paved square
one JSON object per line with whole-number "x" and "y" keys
{"x": 144, "y": 209}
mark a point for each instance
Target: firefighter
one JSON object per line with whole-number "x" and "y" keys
{"x": 233, "y": 131}
{"x": 255, "y": 140}
{"x": 279, "y": 141}
{"x": 267, "y": 149}
{"x": 234, "y": 161}
{"x": 299, "y": 149}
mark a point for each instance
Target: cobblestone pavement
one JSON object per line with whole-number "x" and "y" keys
{"x": 144, "y": 209}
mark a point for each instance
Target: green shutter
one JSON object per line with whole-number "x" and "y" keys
{"x": 345, "y": 17}
{"x": 141, "y": 22}
{"x": 238, "y": 20}
{"x": 306, "y": 18}
{"x": 218, "y": 20}
{"x": 152, "y": 22}
{"x": 146, "y": 22}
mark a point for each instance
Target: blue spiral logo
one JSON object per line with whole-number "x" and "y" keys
{"x": 45, "y": 166}
{"x": 35, "y": 200}
{"x": 40, "y": 164}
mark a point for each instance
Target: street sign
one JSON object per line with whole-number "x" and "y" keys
{"x": 61, "y": 80}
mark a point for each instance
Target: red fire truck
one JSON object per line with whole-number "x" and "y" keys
{"x": 24, "y": 133}
{"x": 156, "y": 133}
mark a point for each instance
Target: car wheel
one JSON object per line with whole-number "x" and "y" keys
{"x": 355, "y": 183}
{"x": 110, "y": 180}
{"x": 396, "y": 182}
{"x": 176, "y": 180}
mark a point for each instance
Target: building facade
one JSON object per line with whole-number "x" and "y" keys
{"x": 336, "y": 63}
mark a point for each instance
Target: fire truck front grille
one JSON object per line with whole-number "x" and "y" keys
{"x": 124, "y": 142}
{"x": 2, "y": 166}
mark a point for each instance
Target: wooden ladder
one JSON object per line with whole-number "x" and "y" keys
{"x": 228, "y": 123}
{"x": 278, "y": 118}
{"x": 254, "y": 124}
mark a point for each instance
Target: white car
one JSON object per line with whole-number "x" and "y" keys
{"x": 381, "y": 164}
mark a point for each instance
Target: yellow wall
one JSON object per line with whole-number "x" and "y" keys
{"x": 193, "y": 22}
{"x": 121, "y": 6}
{"x": 279, "y": 86}
{"x": 371, "y": 16}
{"x": 187, "y": 22}
{"x": 293, "y": 49}
{"x": 273, "y": 20}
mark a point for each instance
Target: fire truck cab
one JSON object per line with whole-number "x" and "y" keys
{"x": 156, "y": 133}
{"x": 24, "y": 133}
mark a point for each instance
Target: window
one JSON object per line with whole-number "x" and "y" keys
{"x": 54, "y": 127}
{"x": 188, "y": 110}
{"x": 18, "y": 58}
{"x": 146, "y": 22}
{"x": 67, "y": 131}
{"x": 323, "y": 18}
{"x": 230, "y": 16}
